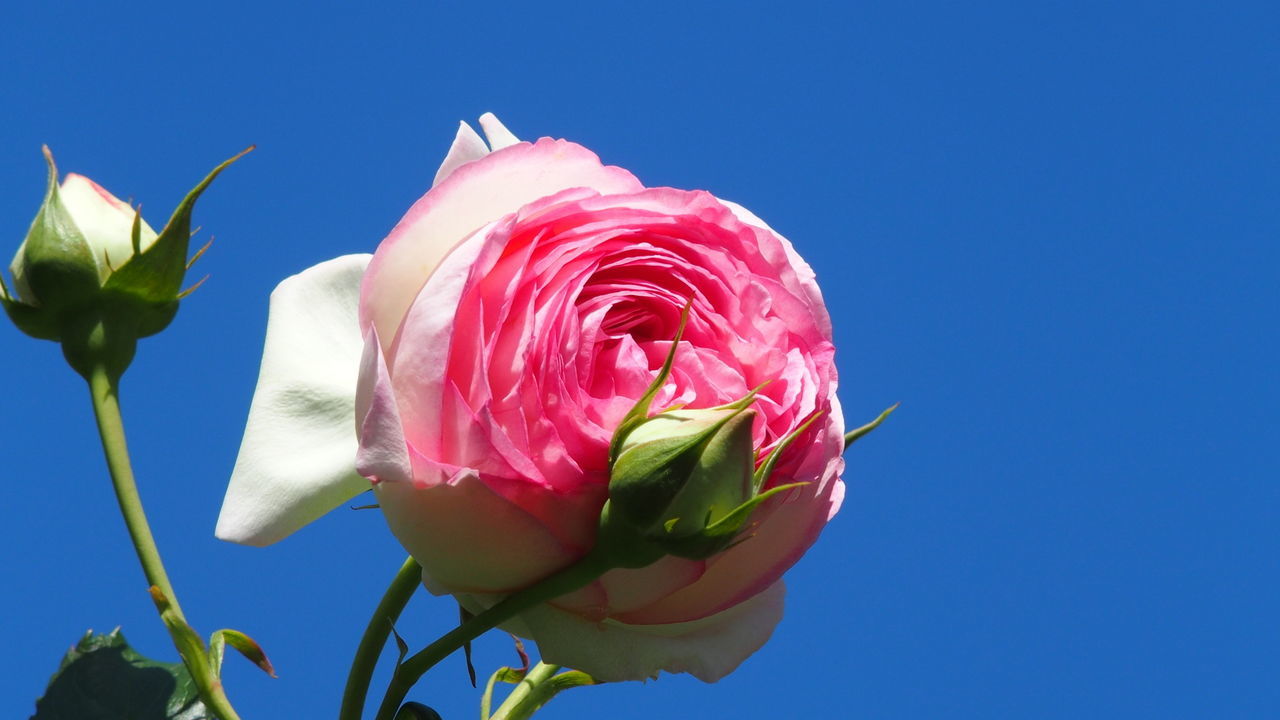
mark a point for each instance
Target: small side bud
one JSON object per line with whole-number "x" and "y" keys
{"x": 681, "y": 473}
{"x": 682, "y": 482}
{"x": 93, "y": 275}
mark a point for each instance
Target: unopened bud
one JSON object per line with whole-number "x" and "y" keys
{"x": 682, "y": 482}
{"x": 90, "y": 265}
{"x": 681, "y": 472}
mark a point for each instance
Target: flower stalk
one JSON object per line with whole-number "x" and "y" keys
{"x": 104, "y": 390}
{"x": 590, "y": 567}
{"x": 405, "y": 583}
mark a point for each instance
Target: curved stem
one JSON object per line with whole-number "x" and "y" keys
{"x": 406, "y": 582}
{"x": 590, "y": 567}
{"x": 106, "y": 410}
{"x": 519, "y": 704}
{"x": 104, "y": 390}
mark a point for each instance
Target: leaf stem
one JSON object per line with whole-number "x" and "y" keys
{"x": 406, "y": 582}
{"x": 104, "y": 389}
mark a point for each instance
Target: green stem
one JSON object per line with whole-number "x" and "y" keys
{"x": 106, "y": 409}
{"x": 529, "y": 695}
{"x": 406, "y": 582}
{"x": 104, "y": 388}
{"x": 590, "y": 567}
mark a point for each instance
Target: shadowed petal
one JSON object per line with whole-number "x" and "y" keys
{"x": 611, "y": 651}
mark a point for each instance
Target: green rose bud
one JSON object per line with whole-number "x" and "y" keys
{"x": 683, "y": 482}
{"x": 93, "y": 275}
{"x": 680, "y": 473}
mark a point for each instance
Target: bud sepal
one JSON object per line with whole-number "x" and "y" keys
{"x": 54, "y": 267}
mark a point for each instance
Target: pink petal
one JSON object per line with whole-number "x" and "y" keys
{"x": 473, "y": 195}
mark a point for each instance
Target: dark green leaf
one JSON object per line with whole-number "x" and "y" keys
{"x": 416, "y": 711}
{"x": 102, "y": 678}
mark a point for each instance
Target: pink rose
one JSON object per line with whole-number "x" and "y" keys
{"x": 508, "y": 323}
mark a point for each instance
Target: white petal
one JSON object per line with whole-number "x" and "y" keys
{"x": 497, "y": 133}
{"x": 610, "y": 651}
{"x": 105, "y": 221}
{"x": 467, "y": 147}
{"x": 297, "y": 459}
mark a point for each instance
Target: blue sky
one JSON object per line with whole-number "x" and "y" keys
{"x": 1049, "y": 229}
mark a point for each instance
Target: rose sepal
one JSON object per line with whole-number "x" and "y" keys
{"x": 154, "y": 275}
{"x": 29, "y": 319}
{"x": 57, "y": 264}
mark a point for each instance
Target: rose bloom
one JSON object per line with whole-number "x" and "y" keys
{"x": 475, "y": 368}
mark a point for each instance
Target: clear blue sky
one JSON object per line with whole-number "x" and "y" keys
{"x": 1049, "y": 229}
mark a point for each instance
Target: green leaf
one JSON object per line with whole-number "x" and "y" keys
{"x": 506, "y": 675}
{"x": 102, "y": 678}
{"x": 156, "y": 274}
{"x": 509, "y": 675}
{"x": 246, "y": 645}
{"x": 571, "y": 679}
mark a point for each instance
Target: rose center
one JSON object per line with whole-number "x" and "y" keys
{"x": 641, "y": 320}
